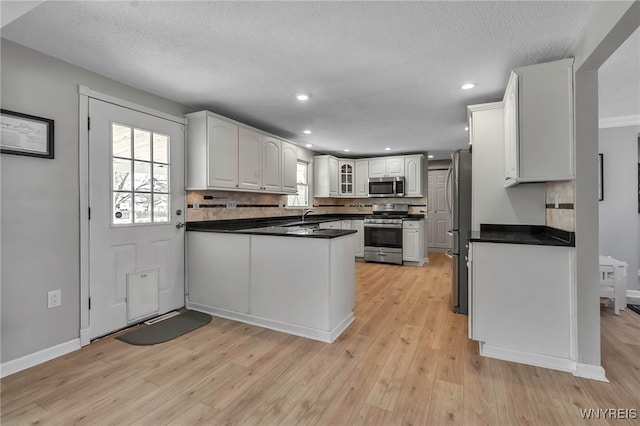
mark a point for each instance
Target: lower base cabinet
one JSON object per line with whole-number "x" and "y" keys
{"x": 413, "y": 241}
{"x": 301, "y": 286}
{"x": 356, "y": 224}
{"x": 521, "y": 303}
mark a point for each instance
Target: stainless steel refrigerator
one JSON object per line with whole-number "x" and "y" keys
{"x": 459, "y": 204}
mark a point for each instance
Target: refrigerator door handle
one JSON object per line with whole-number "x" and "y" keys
{"x": 446, "y": 188}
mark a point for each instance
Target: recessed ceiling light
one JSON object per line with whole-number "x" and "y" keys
{"x": 307, "y": 132}
{"x": 308, "y": 145}
{"x": 303, "y": 96}
{"x": 466, "y": 129}
{"x": 387, "y": 149}
{"x": 430, "y": 156}
{"x": 346, "y": 150}
{"x": 467, "y": 86}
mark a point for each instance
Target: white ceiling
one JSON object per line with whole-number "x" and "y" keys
{"x": 380, "y": 73}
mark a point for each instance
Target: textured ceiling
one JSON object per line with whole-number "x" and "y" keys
{"x": 619, "y": 80}
{"x": 380, "y": 73}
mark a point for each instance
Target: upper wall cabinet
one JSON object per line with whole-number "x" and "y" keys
{"x": 362, "y": 178}
{"x": 346, "y": 172}
{"x": 224, "y": 155}
{"x": 386, "y": 167}
{"x": 289, "y": 167}
{"x": 413, "y": 175}
{"x": 538, "y": 123}
{"x": 250, "y": 155}
{"x": 325, "y": 176}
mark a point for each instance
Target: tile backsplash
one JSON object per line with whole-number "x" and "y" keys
{"x": 212, "y": 205}
{"x": 562, "y": 216}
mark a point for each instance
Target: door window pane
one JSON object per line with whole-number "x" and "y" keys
{"x": 160, "y": 148}
{"x": 160, "y": 208}
{"x": 160, "y": 178}
{"x": 142, "y": 176}
{"x": 142, "y": 208}
{"x": 142, "y": 144}
{"x": 121, "y": 208}
{"x": 121, "y": 175}
{"x": 121, "y": 141}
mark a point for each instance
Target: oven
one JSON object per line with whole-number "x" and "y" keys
{"x": 383, "y": 233}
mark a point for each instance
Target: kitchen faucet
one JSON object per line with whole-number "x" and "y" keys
{"x": 304, "y": 213}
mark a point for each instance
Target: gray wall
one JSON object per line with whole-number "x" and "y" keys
{"x": 40, "y": 200}
{"x": 619, "y": 209}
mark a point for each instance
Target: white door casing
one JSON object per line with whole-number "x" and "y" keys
{"x": 144, "y": 261}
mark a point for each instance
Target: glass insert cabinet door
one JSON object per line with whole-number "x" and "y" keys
{"x": 346, "y": 178}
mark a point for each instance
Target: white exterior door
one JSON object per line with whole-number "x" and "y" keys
{"x": 438, "y": 218}
{"x": 136, "y": 199}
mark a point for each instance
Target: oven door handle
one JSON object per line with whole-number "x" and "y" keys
{"x": 381, "y": 225}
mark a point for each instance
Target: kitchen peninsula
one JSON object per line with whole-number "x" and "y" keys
{"x": 295, "y": 279}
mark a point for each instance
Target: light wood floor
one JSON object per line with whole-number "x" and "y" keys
{"x": 405, "y": 360}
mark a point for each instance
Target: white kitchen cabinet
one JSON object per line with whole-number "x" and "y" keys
{"x": 413, "y": 241}
{"x": 289, "y": 168}
{"x": 212, "y": 154}
{"x": 386, "y": 167}
{"x": 361, "y": 187}
{"x": 271, "y": 161}
{"x": 521, "y": 302}
{"x": 358, "y": 249}
{"x": 325, "y": 176}
{"x": 256, "y": 279}
{"x": 336, "y": 224}
{"x": 218, "y": 270}
{"x": 538, "y": 123}
{"x": 249, "y": 159}
{"x": 225, "y": 155}
{"x": 413, "y": 169}
{"x": 346, "y": 173}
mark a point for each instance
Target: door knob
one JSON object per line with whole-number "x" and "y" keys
{"x": 179, "y": 225}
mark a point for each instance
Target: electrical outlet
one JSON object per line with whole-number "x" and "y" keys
{"x": 231, "y": 204}
{"x": 557, "y": 200}
{"x": 54, "y": 298}
{"x": 196, "y": 204}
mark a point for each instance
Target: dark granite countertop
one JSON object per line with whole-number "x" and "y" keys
{"x": 287, "y": 226}
{"x": 523, "y": 234}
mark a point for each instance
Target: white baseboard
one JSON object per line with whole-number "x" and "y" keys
{"x": 327, "y": 336}
{"x": 529, "y": 358}
{"x": 588, "y": 371}
{"x": 27, "y": 361}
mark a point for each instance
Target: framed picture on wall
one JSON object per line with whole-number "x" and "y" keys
{"x": 600, "y": 178}
{"x": 23, "y": 134}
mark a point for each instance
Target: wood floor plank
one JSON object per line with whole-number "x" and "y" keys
{"x": 405, "y": 360}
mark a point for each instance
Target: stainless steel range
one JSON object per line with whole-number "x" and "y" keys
{"x": 383, "y": 233}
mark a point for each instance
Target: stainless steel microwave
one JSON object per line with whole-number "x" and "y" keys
{"x": 386, "y": 187}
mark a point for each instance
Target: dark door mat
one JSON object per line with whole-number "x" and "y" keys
{"x": 634, "y": 308}
{"x": 166, "y": 330}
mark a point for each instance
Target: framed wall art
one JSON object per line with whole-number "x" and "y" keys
{"x": 23, "y": 134}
